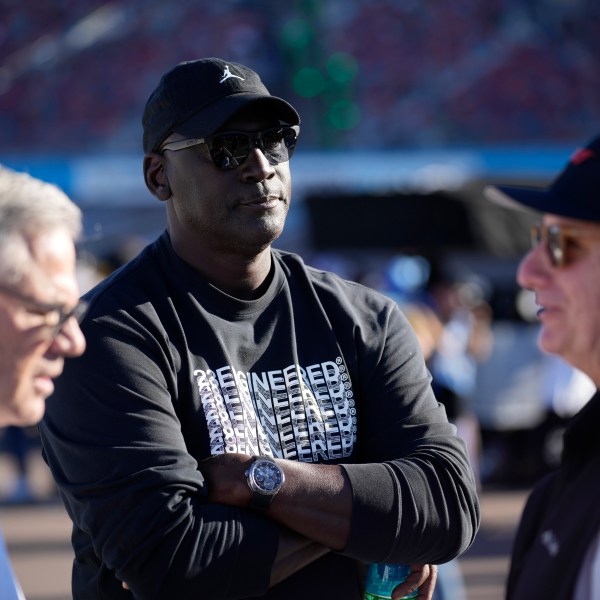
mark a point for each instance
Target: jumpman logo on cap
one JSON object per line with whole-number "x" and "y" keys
{"x": 227, "y": 74}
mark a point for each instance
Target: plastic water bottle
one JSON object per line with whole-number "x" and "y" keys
{"x": 382, "y": 578}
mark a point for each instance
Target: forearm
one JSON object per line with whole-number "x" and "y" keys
{"x": 315, "y": 500}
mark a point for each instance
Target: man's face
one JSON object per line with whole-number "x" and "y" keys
{"x": 241, "y": 210}
{"x": 569, "y": 295}
{"x": 31, "y": 352}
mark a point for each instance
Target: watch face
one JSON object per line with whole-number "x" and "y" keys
{"x": 267, "y": 476}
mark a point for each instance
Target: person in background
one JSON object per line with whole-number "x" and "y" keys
{"x": 556, "y": 552}
{"x": 243, "y": 425}
{"x": 39, "y": 305}
{"x": 464, "y": 342}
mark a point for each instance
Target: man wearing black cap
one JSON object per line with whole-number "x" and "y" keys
{"x": 557, "y": 548}
{"x": 243, "y": 425}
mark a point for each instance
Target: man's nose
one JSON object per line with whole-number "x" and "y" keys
{"x": 256, "y": 167}
{"x": 70, "y": 340}
{"x": 533, "y": 268}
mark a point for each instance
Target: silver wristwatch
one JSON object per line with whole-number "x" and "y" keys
{"x": 265, "y": 478}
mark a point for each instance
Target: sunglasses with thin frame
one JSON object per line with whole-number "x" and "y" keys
{"x": 557, "y": 240}
{"x": 54, "y": 316}
{"x": 229, "y": 149}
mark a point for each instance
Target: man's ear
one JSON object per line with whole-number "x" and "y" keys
{"x": 156, "y": 177}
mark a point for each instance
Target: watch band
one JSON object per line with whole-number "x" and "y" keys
{"x": 260, "y": 502}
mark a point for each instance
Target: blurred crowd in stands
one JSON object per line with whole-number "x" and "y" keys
{"x": 74, "y": 74}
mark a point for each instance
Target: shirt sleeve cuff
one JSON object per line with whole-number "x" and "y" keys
{"x": 375, "y": 502}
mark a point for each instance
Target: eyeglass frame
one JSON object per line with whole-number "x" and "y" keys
{"x": 45, "y": 309}
{"x": 255, "y": 139}
{"x": 557, "y": 237}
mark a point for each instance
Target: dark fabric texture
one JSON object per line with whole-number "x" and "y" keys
{"x": 561, "y": 518}
{"x": 318, "y": 369}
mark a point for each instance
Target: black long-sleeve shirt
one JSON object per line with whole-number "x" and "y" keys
{"x": 318, "y": 369}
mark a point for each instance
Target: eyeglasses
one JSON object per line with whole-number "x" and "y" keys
{"x": 54, "y": 316}
{"x": 558, "y": 239}
{"x": 229, "y": 149}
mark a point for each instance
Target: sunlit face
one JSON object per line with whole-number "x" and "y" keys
{"x": 238, "y": 210}
{"x": 568, "y": 296}
{"x": 32, "y": 353}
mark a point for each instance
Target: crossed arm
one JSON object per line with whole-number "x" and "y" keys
{"x": 135, "y": 492}
{"x": 313, "y": 507}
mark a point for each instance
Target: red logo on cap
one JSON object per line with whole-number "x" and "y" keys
{"x": 581, "y": 156}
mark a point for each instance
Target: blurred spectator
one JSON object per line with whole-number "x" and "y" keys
{"x": 464, "y": 342}
{"x": 557, "y": 547}
{"x": 39, "y": 305}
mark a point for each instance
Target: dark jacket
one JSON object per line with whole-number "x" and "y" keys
{"x": 561, "y": 518}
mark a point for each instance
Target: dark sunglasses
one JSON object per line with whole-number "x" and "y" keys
{"x": 229, "y": 149}
{"x": 557, "y": 240}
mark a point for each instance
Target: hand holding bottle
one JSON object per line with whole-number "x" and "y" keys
{"x": 401, "y": 581}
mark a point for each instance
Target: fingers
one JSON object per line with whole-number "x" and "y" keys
{"x": 427, "y": 585}
{"x": 423, "y": 577}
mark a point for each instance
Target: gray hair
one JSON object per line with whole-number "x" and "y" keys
{"x": 28, "y": 207}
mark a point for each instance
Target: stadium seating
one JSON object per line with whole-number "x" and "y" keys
{"x": 75, "y": 74}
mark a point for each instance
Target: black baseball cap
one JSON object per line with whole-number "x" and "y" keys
{"x": 575, "y": 193}
{"x": 196, "y": 97}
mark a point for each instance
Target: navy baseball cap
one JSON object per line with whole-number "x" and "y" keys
{"x": 196, "y": 97}
{"x": 575, "y": 193}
